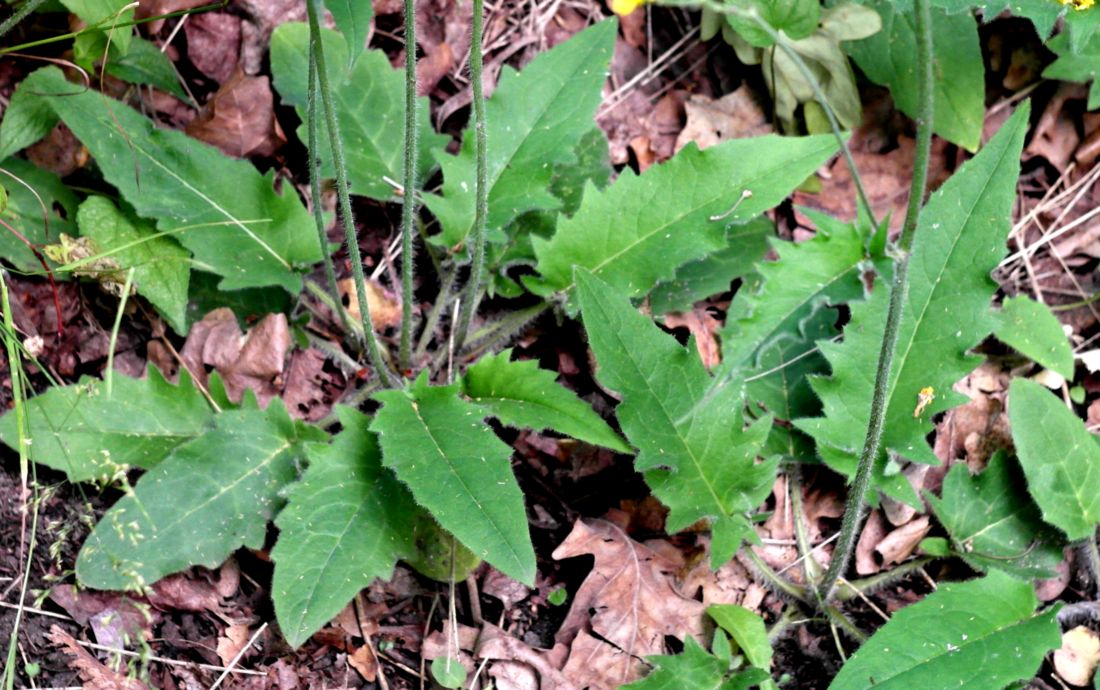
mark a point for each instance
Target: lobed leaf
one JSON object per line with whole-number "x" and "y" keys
{"x": 696, "y": 456}
{"x": 346, "y": 523}
{"x": 1059, "y": 456}
{"x": 78, "y": 430}
{"x": 206, "y": 499}
{"x": 978, "y": 634}
{"x": 520, "y": 394}
{"x": 220, "y": 208}
{"x": 639, "y": 230}
{"x": 697, "y": 669}
{"x": 1034, "y": 331}
{"x": 946, "y": 312}
{"x": 456, "y": 467}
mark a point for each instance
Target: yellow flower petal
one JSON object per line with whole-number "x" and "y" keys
{"x": 625, "y": 7}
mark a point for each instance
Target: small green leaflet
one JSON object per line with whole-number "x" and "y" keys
{"x": 639, "y": 230}
{"x": 370, "y": 106}
{"x": 223, "y": 209}
{"x": 27, "y": 119}
{"x": 352, "y": 18}
{"x": 795, "y": 18}
{"x": 520, "y": 394}
{"x": 696, "y": 669}
{"x": 696, "y": 456}
{"x": 439, "y": 445}
{"x": 345, "y": 524}
{"x": 993, "y": 523}
{"x": 960, "y": 240}
{"x": 448, "y": 672}
{"x": 78, "y": 430}
{"x": 1059, "y": 456}
{"x": 978, "y": 634}
{"x": 1081, "y": 66}
{"x": 887, "y": 58}
{"x": 745, "y": 245}
{"x": 24, "y": 212}
{"x": 532, "y": 122}
{"x": 748, "y": 631}
{"x": 208, "y": 498}
{"x": 1033, "y": 330}
{"x": 144, "y": 63}
{"x": 162, "y": 268}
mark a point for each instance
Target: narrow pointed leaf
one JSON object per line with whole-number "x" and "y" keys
{"x": 946, "y": 312}
{"x": 1059, "y": 456}
{"x": 696, "y": 456}
{"x": 520, "y": 394}
{"x": 208, "y": 498}
{"x": 1033, "y": 330}
{"x": 352, "y": 18}
{"x": 640, "y": 229}
{"x": 80, "y": 431}
{"x": 226, "y": 212}
{"x": 975, "y": 635}
{"x": 346, "y": 523}
{"x": 533, "y": 121}
{"x": 456, "y": 467}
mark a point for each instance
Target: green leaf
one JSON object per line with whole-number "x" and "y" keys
{"x": 993, "y": 522}
{"x": 640, "y": 229}
{"x": 352, "y": 18}
{"x": 960, "y": 239}
{"x": 1059, "y": 456}
{"x": 533, "y": 121}
{"x": 1042, "y": 13}
{"x": 93, "y": 12}
{"x": 978, "y": 634}
{"x": 40, "y": 207}
{"x": 522, "y": 395}
{"x": 745, "y": 244}
{"x": 221, "y": 208}
{"x": 27, "y": 119}
{"x": 795, "y": 18}
{"x": 1033, "y": 330}
{"x": 697, "y": 669}
{"x": 249, "y": 305}
{"x": 1080, "y": 67}
{"x": 370, "y": 106}
{"x": 448, "y": 672}
{"x": 456, "y": 467}
{"x": 345, "y": 524}
{"x": 822, "y": 270}
{"x": 78, "y": 430}
{"x": 208, "y": 498}
{"x": 887, "y": 58}
{"x": 144, "y": 63}
{"x": 696, "y": 456}
{"x": 161, "y": 267}
{"x": 747, "y": 630}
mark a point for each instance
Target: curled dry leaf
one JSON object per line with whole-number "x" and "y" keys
{"x": 240, "y": 118}
{"x": 703, "y": 326}
{"x": 232, "y": 642}
{"x": 385, "y": 309}
{"x": 255, "y": 361}
{"x": 874, "y": 529}
{"x": 364, "y": 662}
{"x": 898, "y": 545}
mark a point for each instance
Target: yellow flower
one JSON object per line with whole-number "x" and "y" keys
{"x": 625, "y": 7}
{"x": 1079, "y": 4}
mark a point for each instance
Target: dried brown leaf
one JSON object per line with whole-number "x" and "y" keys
{"x": 214, "y": 44}
{"x": 240, "y": 118}
{"x": 710, "y": 121}
{"x": 95, "y": 675}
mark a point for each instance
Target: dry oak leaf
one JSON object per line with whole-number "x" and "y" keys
{"x": 630, "y": 599}
{"x": 95, "y": 675}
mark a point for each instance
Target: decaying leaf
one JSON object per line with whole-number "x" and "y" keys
{"x": 103, "y": 269}
{"x": 240, "y": 118}
{"x": 385, "y": 308}
{"x": 94, "y": 674}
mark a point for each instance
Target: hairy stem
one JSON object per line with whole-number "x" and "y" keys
{"x": 19, "y": 15}
{"x": 853, "y": 513}
{"x": 374, "y": 350}
{"x": 481, "y": 188}
{"x": 777, "y": 581}
{"x": 408, "y": 208}
{"x": 442, "y": 299}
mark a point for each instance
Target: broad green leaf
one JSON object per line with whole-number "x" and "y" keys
{"x": 222, "y": 208}
{"x": 959, "y": 241}
{"x": 822, "y": 270}
{"x": 107, "y": 14}
{"x": 696, "y": 456}
{"x": 370, "y": 106}
{"x": 640, "y": 229}
{"x": 249, "y": 305}
{"x": 795, "y": 18}
{"x": 887, "y": 58}
{"x": 1059, "y": 456}
{"x": 993, "y": 522}
{"x": 144, "y": 63}
{"x": 27, "y": 119}
{"x": 437, "y": 554}
{"x": 978, "y": 634}
{"x": 456, "y": 467}
{"x": 747, "y": 630}
{"x": 352, "y": 18}
{"x": 78, "y": 430}
{"x": 697, "y": 669}
{"x": 1081, "y": 66}
{"x": 205, "y": 500}
{"x": 1032, "y": 330}
{"x": 1042, "y": 13}
{"x": 520, "y": 394}
{"x": 745, "y": 244}
{"x": 532, "y": 123}
{"x": 161, "y": 267}
{"x": 346, "y": 523}
{"x": 40, "y": 215}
